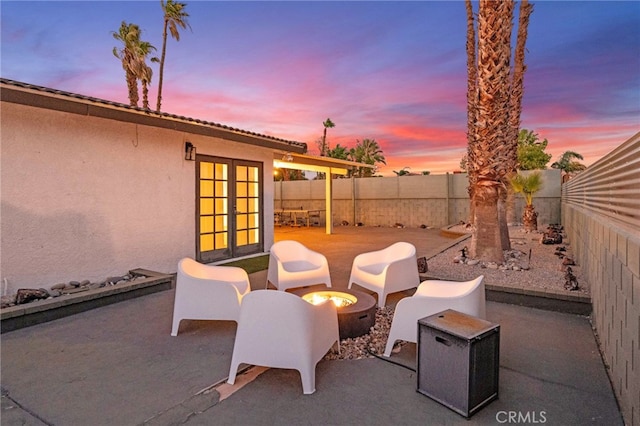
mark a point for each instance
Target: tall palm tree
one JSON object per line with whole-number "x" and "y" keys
{"x": 327, "y": 125}
{"x": 129, "y": 35}
{"x": 489, "y": 149}
{"x": 142, "y": 70}
{"x": 507, "y": 200}
{"x": 472, "y": 111}
{"x": 174, "y": 17}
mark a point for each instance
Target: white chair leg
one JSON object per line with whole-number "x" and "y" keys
{"x": 175, "y": 326}
{"x": 390, "y": 342}
{"x": 232, "y": 372}
{"x": 308, "y": 381}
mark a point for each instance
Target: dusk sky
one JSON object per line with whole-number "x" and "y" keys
{"x": 390, "y": 71}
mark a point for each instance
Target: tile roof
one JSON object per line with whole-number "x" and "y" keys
{"x": 206, "y": 127}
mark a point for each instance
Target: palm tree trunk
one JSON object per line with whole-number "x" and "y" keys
{"x": 517, "y": 91}
{"x": 132, "y": 85}
{"x": 160, "y": 77}
{"x": 530, "y": 219}
{"x": 145, "y": 95}
{"x": 485, "y": 242}
{"x": 488, "y": 150}
{"x": 472, "y": 99}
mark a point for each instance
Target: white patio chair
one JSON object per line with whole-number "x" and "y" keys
{"x": 431, "y": 297}
{"x": 386, "y": 271}
{"x": 291, "y": 265}
{"x": 206, "y": 292}
{"x": 281, "y": 330}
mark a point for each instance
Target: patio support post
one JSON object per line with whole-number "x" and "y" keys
{"x": 328, "y": 196}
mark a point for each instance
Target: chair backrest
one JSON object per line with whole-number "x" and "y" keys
{"x": 289, "y": 250}
{"x": 190, "y": 268}
{"x": 450, "y": 289}
{"x": 399, "y": 250}
{"x": 276, "y": 317}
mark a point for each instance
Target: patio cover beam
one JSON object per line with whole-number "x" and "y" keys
{"x": 329, "y": 166}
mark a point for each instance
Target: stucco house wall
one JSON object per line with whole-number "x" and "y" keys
{"x": 85, "y": 197}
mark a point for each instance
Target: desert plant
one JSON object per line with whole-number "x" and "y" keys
{"x": 528, "y": 185}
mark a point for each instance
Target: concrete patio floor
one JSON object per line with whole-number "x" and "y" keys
{"x": 118, "y": 365}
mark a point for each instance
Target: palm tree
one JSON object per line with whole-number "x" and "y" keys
{"x": 368, "y": 152}
{"x": 129, "y": 35}
{"x": 489, "y": 148}
{"x": 567, "y": 162}
{"x": 517, "y": 91}
{"x": 324, "y": 148}
{"x": 528, "y": 186}
{"x": 142, "y": 70}
{"x": 174, "y": 17}
{"x": 493, "y": 96}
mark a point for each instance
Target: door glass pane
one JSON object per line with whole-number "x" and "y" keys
{"x": 241, "y": 205}
{"x": 206, "y": 206}
{"x": 254, "y": 220}
{"x": 206, "y": 188}
{"x": 206, "y": 224}
{"x": 221, "y": 206}
{"x": 221, "y": 223}
{"x": 253, "y": 189}
{"x": 221, "y": 240}
{"x": 242, "y": 238}
{"x": 254, "y": 236}
{"x": 206, "y": 242}
{"x": 253, "y": 174}
{"x": 253, "y": 205}
{"x": 241, "y": 173}
{"x": 221, "y": 188}
{"x": 241, "y": 189}
{"x": 221, "y": 171}
{"x": 206, "y": 170}
{"x": 241, "y": 221}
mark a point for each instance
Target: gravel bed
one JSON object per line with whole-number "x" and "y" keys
{"x": 542, "y": 271}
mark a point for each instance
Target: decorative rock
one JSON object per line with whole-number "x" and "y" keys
{"x": 74, "y": 283}
{"x": 58, "y": 286}
{"x": 84, "y": 283}
{"x": 6, "y": 301}
{"x": 472, "y": 262}
{"x": 25, "y": 295}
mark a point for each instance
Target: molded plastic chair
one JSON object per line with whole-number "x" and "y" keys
{"x": 291, "y": 265}
{"x": 206, "y": 292}
{"x": 431, "y": 297}
{"x": 281, "y": 330}
{"x": 386, "y": 271}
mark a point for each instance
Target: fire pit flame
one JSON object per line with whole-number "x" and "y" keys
{"x": 338, "y": 298}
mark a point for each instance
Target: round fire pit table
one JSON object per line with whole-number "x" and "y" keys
{"x": 354, "y": 319}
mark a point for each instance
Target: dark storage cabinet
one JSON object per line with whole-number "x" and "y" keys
{"x": 458, "y": 360}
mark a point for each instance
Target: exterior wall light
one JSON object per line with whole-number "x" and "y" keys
{"x": 189, "y": 151}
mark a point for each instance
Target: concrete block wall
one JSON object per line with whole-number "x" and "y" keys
{"x": 433, "y": 200}
{"x": 610, "y": 257}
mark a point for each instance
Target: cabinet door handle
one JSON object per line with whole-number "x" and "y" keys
{"x": 443, "y": 341}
